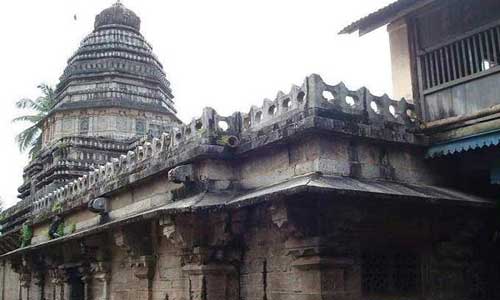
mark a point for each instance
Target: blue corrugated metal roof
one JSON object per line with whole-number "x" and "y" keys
{"x": 470, "y": 143}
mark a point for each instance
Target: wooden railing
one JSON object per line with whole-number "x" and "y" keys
{"x": 463, "y": 58}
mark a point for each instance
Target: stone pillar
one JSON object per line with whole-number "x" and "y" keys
{"x": 209, "y": 270}
{"x": 25, "y": 283}
{"x": 24, "y": 268}
{"x": 87, "y": 282}
{"x": 103, "y": 280}
{"x": 144, "y": 269}
{"x": 39, "y": 282}
{"x": 211, "y": 282}
{"x": 319, "y": 266}
{"x": 96, "y": 279}
{"x": 59, "y": 280}
{"x": 137, "y": 242}
{"x": 321, "y": 274}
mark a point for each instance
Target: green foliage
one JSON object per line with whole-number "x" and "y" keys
{"x": 72, "y": 228}
{"x": 60, "y": 230}
{"x": 30, "y": 139}
{"x": 57, "y": 208}
{"x": 26, "y": 235}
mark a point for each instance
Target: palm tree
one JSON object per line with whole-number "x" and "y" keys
{"x": 30, "y": 139}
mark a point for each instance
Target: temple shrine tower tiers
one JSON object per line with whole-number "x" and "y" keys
{"x": 112, "y": 92}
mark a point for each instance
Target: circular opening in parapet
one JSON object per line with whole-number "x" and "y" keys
{"x": 328, "y": 95}
{"x": 374, "y": 107}
{"x": 286, "y": 104}
{"x": 198, "y": 125}
{"x": 178, "y": 135}
{"x": 223, "y": 125}
{"x": 300, "y": 97}
{"x": 272, "y": 110}
{"x": 411, "y": 114}
{"x": 350, "y": 100}
{"x": 258, "y": 116}
{"x": 233, "y": 141}
{"x": 392, "y": 110}
{"x": 246, "y": 122}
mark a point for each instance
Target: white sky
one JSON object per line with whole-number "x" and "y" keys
{"x": 227, "y": 54}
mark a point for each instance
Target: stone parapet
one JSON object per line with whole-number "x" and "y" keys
{"x": 314, "y": 105}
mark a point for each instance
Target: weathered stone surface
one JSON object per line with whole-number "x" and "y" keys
{"x": 314, "y": 195}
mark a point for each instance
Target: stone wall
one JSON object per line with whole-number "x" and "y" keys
{"x": 282, "y": 250}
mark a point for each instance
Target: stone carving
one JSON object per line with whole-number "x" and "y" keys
{"x": 143, "y": 266}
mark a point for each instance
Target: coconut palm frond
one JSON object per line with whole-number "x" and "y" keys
{"x": 36, "y": 147}
{"x": 32, "y": 119}
{"x": 28, "y": 103}
{"x": 30, "y": 139}
{"x": 27, "y": 137}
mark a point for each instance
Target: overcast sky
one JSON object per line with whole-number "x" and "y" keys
{"x": 227, "y": 54}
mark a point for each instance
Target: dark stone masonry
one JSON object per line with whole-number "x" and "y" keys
{"x": 322, "y": 193}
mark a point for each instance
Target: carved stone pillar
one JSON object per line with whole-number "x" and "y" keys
{"x": 211, "y": 282}
{"x": 96, "y": 279}
{"x": 23, "y": 266}
{"x": 39, "y": 282}
{"x": 25, "y": 283}
{"x": 138, "y": 245}
{"x": 210, "y": 269}
{"x": 320, "y": 266}
{"x": 143, "y": 268}
{"x": 321, "y": 273}
{"x": 58, "y": 279}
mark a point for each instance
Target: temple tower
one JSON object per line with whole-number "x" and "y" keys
{"x": 112, "y": 92}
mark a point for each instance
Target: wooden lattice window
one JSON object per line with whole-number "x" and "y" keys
{"x": 462, "y": 58}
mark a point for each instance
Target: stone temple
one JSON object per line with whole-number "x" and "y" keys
{"x": 113, "y": 91}
{"x": 323, "y": 192}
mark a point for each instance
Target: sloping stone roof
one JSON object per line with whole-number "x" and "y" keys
{"x": 369, "y": 190}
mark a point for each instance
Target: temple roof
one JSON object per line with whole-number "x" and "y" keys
{"x": 118, "y": 14}
{"x": 115, "y": 64}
